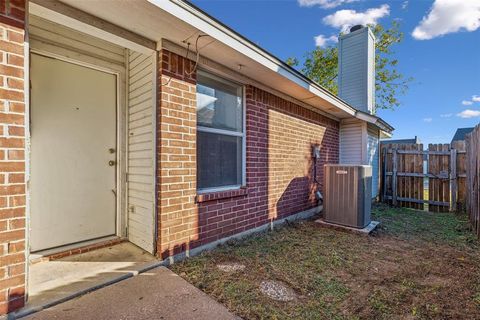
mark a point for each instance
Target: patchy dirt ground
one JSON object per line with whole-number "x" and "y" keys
{"x": 417, "y": 265}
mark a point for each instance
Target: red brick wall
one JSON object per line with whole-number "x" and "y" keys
{"x": 279, "y": 168}
{"x": 280, "y": 136}
{"x": 176, "y": 154}
{"x": 12, "y": 156}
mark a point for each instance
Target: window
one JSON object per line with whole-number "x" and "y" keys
{"x": 220, "y": 133}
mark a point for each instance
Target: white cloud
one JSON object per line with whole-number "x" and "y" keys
{"x": 322, "y": 41}
{"x": 325, "y": 4}
{"x": 446, "y": 115}
{"x": 405, "y": 4}
{"x": 469, "y": 113}
{"x": 427, "y": 119}
{"x": 474, "y": 99}
{"x": 344, "y": 19}
{"x": 447, "y": 16}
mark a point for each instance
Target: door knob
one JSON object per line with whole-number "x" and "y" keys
{"x": 111, "y": 163}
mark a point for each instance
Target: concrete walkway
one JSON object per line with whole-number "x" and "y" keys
{"x": 155, "y": 294}
{"x": 59, "y": 280}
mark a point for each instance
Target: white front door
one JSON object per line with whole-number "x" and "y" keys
{"x": 73, "y": 153}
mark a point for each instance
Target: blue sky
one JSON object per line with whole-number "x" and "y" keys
{"x": 443, "y": 55}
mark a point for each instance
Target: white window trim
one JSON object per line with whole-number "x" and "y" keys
{"x": 220, "y": 131}
{"x": 220, "y": 189}
{"x": 242, "y": 134}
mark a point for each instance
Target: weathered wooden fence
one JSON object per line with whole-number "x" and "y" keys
{"x": 473, "y": 178}
{"x": 461, "y": 169}
{"x": 402, "y": 182}
{"x": 432, "y": 179}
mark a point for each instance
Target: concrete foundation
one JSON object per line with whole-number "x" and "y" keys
{"x": 366, "y": 231}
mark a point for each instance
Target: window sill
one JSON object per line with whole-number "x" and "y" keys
{"x": 224, "y": 194}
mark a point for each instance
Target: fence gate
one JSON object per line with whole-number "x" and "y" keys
{"x": 424, "y": 179}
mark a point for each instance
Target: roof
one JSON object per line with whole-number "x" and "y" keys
{"x": 415, "y": 140}
{"x": 461, "y": 133}
{"x": 227, "y": 35}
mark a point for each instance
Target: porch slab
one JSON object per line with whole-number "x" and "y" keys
{"x": 366, "y": 231}
{"x": 155, "y": 294}
{"x": 52, "y": 282}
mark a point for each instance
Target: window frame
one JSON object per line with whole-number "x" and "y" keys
{"x": 232, "y": 133}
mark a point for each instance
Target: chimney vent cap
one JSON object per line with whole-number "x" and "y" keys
{"x": 356, "y": 27}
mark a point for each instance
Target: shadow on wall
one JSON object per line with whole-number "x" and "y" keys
{"x": 15, "y": 300}
{"x": 280, "y": 137}
{"x": 299, "y": 195}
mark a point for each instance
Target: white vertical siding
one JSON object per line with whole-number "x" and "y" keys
{"x": 351, "y": 143}
{"x": 356, "y": 78}
{"x": 373, "y": 157}
{"x": 141, "y": 150}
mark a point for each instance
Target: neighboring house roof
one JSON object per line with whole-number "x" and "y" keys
{"x": 415, "y": 140}
{"x": 461, "y": 133}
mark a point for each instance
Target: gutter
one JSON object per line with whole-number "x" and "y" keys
{"x": 377, "y": 121}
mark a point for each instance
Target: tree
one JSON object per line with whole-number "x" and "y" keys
{"x": 321, "y": 65}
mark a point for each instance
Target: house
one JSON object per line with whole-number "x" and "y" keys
{"x": 460, "y": 134}
{"x": 415, "y": 140}
{"x": 153, "y": 122}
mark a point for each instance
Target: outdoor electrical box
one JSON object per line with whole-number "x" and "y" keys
{"x": 316, "y": 152}
{"x": 348, "y": 195}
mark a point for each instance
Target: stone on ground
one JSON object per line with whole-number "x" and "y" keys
{"x": 231, "y": 267}
{"x": 277, "y": 290}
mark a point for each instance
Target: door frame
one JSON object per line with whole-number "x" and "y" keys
{"x": 121, "y": 132}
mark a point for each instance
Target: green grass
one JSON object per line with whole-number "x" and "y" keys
{"x": 417, "y": 265}
{"x": 450, "y": 228}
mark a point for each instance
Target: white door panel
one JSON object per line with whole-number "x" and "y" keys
{"x": 73, "y": 126}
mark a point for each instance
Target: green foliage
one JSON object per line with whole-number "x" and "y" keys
{"x": 321, "y": 65}
{"x": 446, "y": 228}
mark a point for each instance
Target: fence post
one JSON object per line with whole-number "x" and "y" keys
{"x": 394, "y": 178}
{"x": 453, "y": 179}
{"x": 384, "y": 171}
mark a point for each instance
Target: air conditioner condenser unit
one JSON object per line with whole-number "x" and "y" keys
{"x": 348, "y": 195}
